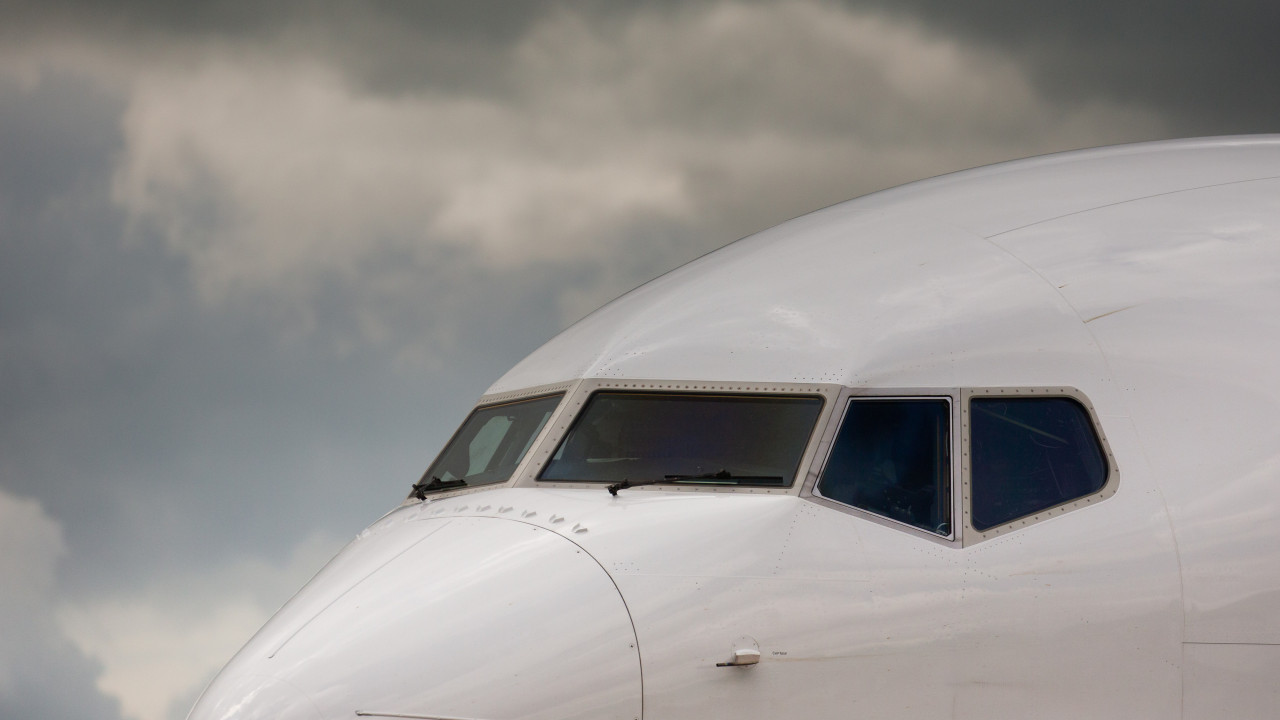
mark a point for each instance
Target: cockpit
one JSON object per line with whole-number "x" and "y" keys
{"x": 955, "y": 465}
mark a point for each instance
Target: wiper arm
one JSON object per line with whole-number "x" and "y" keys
{"x": 422, "y": 487}
{"x": 719, "y": 475}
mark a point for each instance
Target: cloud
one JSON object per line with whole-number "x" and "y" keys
{"x": 267, "y": 173}
{"x": 158, "y": 647}
{"x": 288, "y": 158}
{"x": 32, "y": 544}
{"x": 275, "y": 171}
{"x": 41, "y": 673}
{"x": 150, "y": 422}
{"x": 1196, "y": 64}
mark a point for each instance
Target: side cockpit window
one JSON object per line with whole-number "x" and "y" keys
{"x": 891, "y": 458}
{"x": 490, "y": 444}
{"x": 1030, "y": 455}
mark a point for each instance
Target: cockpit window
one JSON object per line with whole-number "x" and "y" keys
{"x": 647, "y": 438}
{"x": 489, "y": 445}
{"x": 891, "y": 458}
{"x": 1029, "y": 455}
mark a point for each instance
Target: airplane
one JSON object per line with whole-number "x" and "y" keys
{"x": 1003, "y": 443}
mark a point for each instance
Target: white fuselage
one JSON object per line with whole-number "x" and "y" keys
{"x": 1143, "y": 281}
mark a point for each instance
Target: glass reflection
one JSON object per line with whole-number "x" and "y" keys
{"x": 687, "y": 438}
{"x": 1031, "y": 454}
{"x": 891, "y": 458}
{"x": 489, "y": 445}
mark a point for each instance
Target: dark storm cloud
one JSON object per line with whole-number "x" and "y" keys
{"x": 52, "y": 678}
{"x": 482, "y": 18}
{"x": 149, "y": 424}
{"x": 53, "y": 139}
{"x": 1202, "y": 65}
{"x": 187, "y": 455}
{"x": 390, "y": 46}
{"x": 42, "y": 674}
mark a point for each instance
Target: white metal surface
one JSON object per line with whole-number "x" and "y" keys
{"x": 1145, "y": 278}
{"x": 392, "y": 628}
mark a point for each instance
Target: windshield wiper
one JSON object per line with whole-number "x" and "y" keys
{"x": 421, "y": 488}
{"x": 719, "y": 475}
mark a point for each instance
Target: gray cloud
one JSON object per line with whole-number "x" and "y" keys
{"x": 1195, "y": 62}
{"x": 134, "y": 410}
{"x": 1198, "y": 64}
{"x": 41, "y": 673}
{"x": 718, "y": 118}
{"x": 170, "y": 440}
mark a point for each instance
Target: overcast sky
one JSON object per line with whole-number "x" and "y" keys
{"x": 258, "y": 259}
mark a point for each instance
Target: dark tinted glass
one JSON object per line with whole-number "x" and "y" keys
{"x": 711, "y": 439}
{"x": 1030, "y": 454}
{"x": 490, "y": 443}
{"x": 891, "y": 458}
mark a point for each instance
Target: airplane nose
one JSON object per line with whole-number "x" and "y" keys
{"x": 464, "y": 617}
{"x": 259, "y": 697}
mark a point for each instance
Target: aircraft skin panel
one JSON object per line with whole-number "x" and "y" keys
{"x": 373, "y": 549}
{"x": 999, "y": 198}
{"x": 1174, "y": 289}
{"x": 957, "y": 307}
{"x": 554, "y": 628}
{"x": 910, "y": 628}
{"x": 860, "y": 619}
{"x": 1231, "y": 681}
{"x": 835, "y": 260}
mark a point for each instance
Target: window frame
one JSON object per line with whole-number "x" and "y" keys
{"x": 564, "y": 390}
{"x": 949, "y": 464}
{"x": 778, "y": 399}
{"x": 817, "y": 452}
{"x": 576, "y": 399}
{"x": 1109, "y": 485}
{"x": 826, "y": 444}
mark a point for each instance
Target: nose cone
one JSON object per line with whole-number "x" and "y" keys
{"x": 459, "y": 618}
{"x": 256, "y": 697}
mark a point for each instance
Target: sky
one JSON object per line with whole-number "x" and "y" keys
{"x": 257, "y": 260}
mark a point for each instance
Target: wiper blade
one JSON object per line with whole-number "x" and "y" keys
{"x": 718, "y": 475}
{"x": 422, "y": 487}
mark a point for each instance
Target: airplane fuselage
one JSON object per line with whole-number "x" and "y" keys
{"x": 1001, "y": 444}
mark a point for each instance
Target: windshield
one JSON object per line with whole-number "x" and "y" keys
{"x": 489, "y": 445}
{"x": 687, "y": 438}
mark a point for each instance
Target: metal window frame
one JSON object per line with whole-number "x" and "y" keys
{"x": 526, "y": 475}
{"x": 826, "y": 445}
{"x": 813, "y": 461}
{"x": 971, "y": 534}
{"x": 496, "y": 399}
